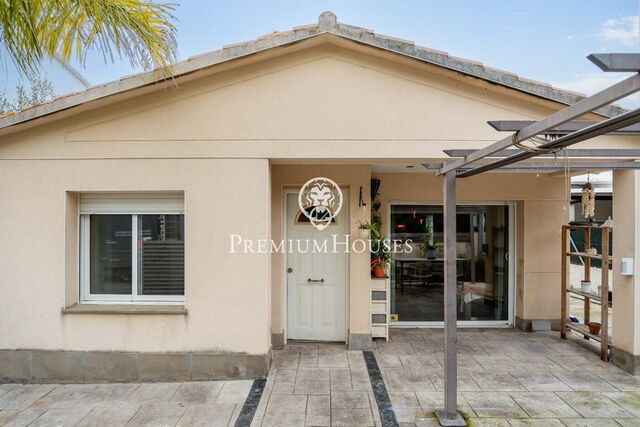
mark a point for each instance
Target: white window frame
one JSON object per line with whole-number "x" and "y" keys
{"x": 85, "y": 289}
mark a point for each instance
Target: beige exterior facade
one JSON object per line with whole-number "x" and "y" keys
{"x": 232, "y": 138}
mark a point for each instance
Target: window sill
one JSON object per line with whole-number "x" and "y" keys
{"x": 179, "y": 309}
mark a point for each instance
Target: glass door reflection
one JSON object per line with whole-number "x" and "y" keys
{"x": 482, "y": 261}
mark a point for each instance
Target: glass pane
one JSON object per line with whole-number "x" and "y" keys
{"x": 418, "y": 277}
{"x": 161, "y": 254}
{"x": 110, "y": 254}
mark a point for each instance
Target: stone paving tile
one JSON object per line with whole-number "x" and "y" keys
{"x": 572, "y": 363}
{"x": 465, "y": 382}
{"x": 408, "y": 415}
{"x": 333, "y": 358}
{"x": 622, "y": 380}
{"x": 279, "y": 420}
{"x": 548, "y": 422}
{"x": 629, "y": 422}
{"x": 197, "y": 392}
{"x": 61, "y": 417}
{"x": 284, "y": 381}
{"x": 628, "y": 400}
{"x": 408, "y": 381}
{"x": 540, "y": 381}
{"x": 285, "y": 359}
{"x": 350, "y": 399}
{"x": 427, "y": 422}
{"x": 536, "y": 363}
{"x": 23, "y": 396}
{"x": 154, "y": 393}
{"x": 414, "y": 362}
{"x": 341, "y": 379}
{"x": 594, "y": 422}
{"x": 495, "y": 363}
{"x": 489, "y": 422}
{"x": 498, "y": 381}
{"x": 388, "y": 361}
{"x": 112, "y": 394}
{"x": 4, "y": 388}
{"x": 69, "y": 396}
{"x": 234, "y": 391}
{"x": 351, "y": 417}
{"x": 466, "y": 364}
{"x": 287, "y": 404}
{"x": 403, "y": 399}
{"x": 317, "y": 420}
{"x": 23, "y": 417}
{"x": 494, "y": 405}
{"x": 543, "y": 405}
{"x": 583, "y": 381}
{"x": 434, "y": 401}
{"x": 211, "y": 414}
{"x": 158, "y": 415}
{"x": 594, "y": 405}
{"x": 109, "y": 416}
{"x": 319, "y": 405}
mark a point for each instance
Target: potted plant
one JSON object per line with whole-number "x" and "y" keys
{"x": 379, "y": 262}
{"x": 363, "y": 229}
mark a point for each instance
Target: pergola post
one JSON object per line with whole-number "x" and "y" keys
{"x": 450, "y": 416}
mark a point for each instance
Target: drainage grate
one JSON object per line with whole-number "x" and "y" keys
{"x": 251, "y": 403}
{"x": 387, "y": 416}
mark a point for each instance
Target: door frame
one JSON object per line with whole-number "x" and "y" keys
{"x": 284, "y": 286}
{"x": 509, "y": 323}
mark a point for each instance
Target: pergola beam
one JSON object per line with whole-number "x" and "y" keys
{"x": 548, "y": 166}
{"x": 592, "y": 131}
{"x": 612, "y": 62}
{"x": 563, "y": 129}
{"x": 617, "y": 91}
{"x": 574, "y": 152}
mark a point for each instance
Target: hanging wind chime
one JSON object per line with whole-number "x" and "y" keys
{"x": 588, "y": 200}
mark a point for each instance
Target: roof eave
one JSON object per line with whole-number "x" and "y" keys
{"x": 327, "y": 24}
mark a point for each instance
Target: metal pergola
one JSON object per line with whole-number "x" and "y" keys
{"x": 566, "y": 131}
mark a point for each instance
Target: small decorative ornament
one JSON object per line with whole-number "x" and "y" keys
{"x": 588, "y": 201}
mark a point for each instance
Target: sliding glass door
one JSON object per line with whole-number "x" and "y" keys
{"x": 484, "y": 241}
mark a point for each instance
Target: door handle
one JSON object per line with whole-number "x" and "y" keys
{"x": 315, "y": 280}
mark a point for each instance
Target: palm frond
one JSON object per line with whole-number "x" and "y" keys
{"x": 140, "y": 30}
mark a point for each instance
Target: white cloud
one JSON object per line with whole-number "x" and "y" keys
{"x": 623, "y": 30}
{"x": 591, "y": 83}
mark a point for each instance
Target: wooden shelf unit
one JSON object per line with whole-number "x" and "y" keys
{"x": 602, "y": 298}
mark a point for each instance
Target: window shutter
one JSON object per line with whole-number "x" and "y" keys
{"x": 132, "y": 203}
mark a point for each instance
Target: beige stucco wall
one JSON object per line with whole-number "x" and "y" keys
{"x": 219, "y": 286}
{"x": 626, "y": 243}
{"x": 350, "y": 177}
{"x": 540, "y": 212}
{"x": 319, "y": 101}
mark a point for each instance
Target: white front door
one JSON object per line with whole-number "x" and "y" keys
{"x": 316, "y": 282}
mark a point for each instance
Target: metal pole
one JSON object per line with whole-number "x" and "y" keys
{"x": 450, "y": 416}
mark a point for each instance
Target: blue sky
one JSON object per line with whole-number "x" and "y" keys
{"x": 545, "y": 40}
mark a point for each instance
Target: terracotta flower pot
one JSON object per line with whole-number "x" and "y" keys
{"x": 594, "y": 328}
{"x": 378, "y": 271}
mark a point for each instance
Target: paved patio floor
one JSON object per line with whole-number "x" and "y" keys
{"x": 506, "y": 378}
{"x": 211, "y": 403}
